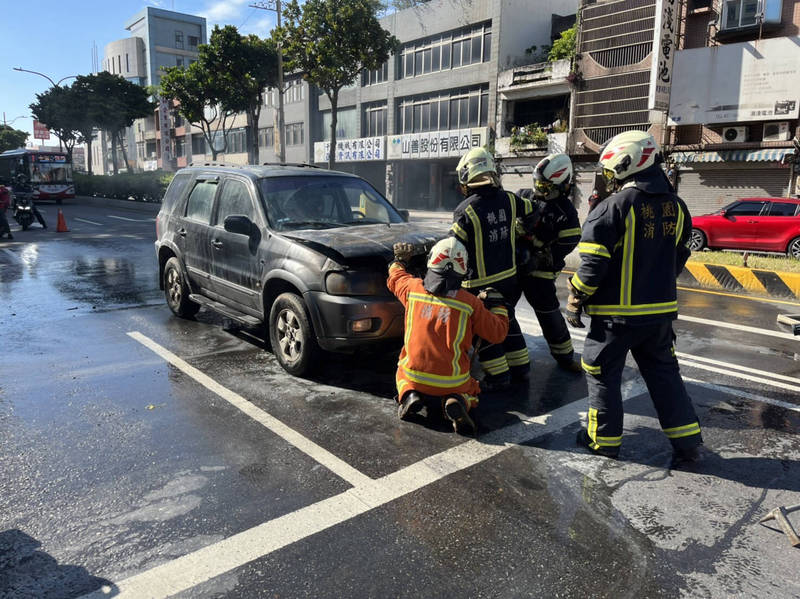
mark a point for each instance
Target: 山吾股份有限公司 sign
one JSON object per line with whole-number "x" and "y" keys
{"x": 352, "y": 150}
{"x": 435, "y": 144}
{"x": 40, "y": 131}
{"x": 748, "y": 81}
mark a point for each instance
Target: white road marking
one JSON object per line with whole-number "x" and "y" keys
{"x": 14, "y": 258}
{"x": 737, "y": 327}
{"x": 132, "y": 220}
{"x": 91, "y": 222}
{"x": 742, "y": 394}
{"x": 773, "y": 375}
{"x": 319, "y": 454}
{"x": 204, "y": 564}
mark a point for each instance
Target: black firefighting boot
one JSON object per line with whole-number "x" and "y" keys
{"x": 411, "y": 403}
{"x": 456, "y": 412}
{"x": 584, "y": 440}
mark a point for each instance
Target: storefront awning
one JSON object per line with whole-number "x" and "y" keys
{"x": 773, "y": 155}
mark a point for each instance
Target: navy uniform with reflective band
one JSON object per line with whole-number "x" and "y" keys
{"x": 632, "y": 248}
{"x": 551, "y": 240}
{"x": 485, "y": 223}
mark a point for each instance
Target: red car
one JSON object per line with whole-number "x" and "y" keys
{"x": 759, "y": 224}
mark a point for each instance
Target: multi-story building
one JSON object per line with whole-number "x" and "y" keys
{"x": 404, "y": 126}
{"x": 159, "y": 38}
{"x": 734, "y": 100}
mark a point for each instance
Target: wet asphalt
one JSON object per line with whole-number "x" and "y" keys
{"x": 124, "y": 474}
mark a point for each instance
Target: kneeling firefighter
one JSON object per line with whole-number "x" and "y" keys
{"x": 485, "y": 223}
{"x": 633, "y": 245}
{"x": 440, "y": 321}
{"x": 554, "y": 234}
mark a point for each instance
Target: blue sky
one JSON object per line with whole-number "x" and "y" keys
{"x": 55, "y": 38}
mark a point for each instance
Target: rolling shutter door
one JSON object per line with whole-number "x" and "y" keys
{"x": 706, "y": 191}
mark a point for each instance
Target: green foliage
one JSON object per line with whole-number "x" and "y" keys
{"x": 564, "y": 46}
{"x": 395, "y": 5}
{"x": 11, "y": 139}
{"x": 61, "y": 109}
{"x": 528, "y": 135}
{"x": 331, "y": 42}
{"x": 143, "y": 187}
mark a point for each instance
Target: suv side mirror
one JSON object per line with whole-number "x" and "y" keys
{"x": 238, "y": 223}
{"x": 404, "y": 214}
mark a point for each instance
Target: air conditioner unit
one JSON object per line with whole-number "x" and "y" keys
{"x": 776, "y": 131}
{"x": 734, "y": 134}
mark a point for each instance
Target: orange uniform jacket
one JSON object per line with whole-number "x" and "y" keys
{"x": 438, "y": 336}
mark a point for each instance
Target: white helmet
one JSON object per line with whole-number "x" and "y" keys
{"x": 449, "y": 254}
{"x": 627, "y": 154}
{"x": 552, "y": 176}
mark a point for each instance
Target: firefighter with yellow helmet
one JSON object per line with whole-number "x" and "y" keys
{"x": 485, "y": 223}
{"x": 633, "y": 246}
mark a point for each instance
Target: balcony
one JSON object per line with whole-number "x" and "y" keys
{"x": 554, "y": 143}
{"x": 540, "y": 80}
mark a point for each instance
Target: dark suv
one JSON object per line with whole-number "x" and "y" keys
{"x": 301, "y": 249}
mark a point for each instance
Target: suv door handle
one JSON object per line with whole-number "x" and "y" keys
{"x": 216, "y": 243}
{"x": 182, "y": 232}
{"x": 752, "y": 222}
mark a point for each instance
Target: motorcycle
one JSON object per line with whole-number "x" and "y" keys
{"x": 22, "y": 209}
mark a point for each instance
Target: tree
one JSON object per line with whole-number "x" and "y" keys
{"x": 115, "y": 104}
{"x": 11, "y": 139}
{"x": 198, "y": 97}
{"x": 59, "y": 109}
{"x": 239, "y": 68}
{"x": 564, "y": 46}
{"x": 395, "y": 5}
{"x": 331, "y": 42}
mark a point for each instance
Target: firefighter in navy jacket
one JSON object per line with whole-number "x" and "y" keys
{"x": 485, "y": 224}
{"x": 633, "y": 246}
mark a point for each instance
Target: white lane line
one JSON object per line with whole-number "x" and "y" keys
{"x": 321, "y": 455}
{"x": 715, "y": 366}
{"x": 737, "y": 327}
{"x": 84, "y": 220}
{"x": 742, "y": 394}
{"x": 14, "y": 258}
{"x": 204, "y": 564}
{"x": 132, "y": 220}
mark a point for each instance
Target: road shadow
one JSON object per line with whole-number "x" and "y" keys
{"x": 26, "y": 571}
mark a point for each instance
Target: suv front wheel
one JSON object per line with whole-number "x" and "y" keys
{"x": 292, "y": 335}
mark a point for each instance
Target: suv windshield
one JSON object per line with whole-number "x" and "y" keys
{"x": 323, "y": 202}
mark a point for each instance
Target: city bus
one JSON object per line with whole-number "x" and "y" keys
{"x": 49, "y": 173}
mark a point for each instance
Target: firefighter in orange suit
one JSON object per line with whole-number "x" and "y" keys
{"x": 440, "y": 322}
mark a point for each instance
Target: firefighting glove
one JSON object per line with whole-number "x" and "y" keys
{"x": 403, "y": 252}
{"x": 491, "y": 297}
{"x": 574, "y": 307}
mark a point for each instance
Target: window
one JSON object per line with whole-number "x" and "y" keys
{"x": 374, "y": 120}
{"x": 180, "y": 147}
{"x": 198, "y": 144}
{"x": 266, "y": 137}
{"x": 127, "y": 64}
{"x": 193, "y": 41}
{"x": 293, "y": 92}
{"x": 294, "y": 134}
{"x": 237, "y": 141}
{"x": 376, "y": 76}
{"x": 179, "y": 61}
{"x": 234, "y": 199}
{"x": 346, "y": 124}
{"x": 782, "y": 209}
{"x": 201, "y": 201}
{"x": 179, "y": 40}
{"x": 465, "y": 46}
{"x": 119, "y": 64}
{"x": 745, "y": 13}
{"x": 443, "y": 111}
{"x": 745, "y": 209}
{"x": 175, "y": 191}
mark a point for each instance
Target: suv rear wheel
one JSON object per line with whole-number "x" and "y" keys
{"x": 291, "y": 335}
{"x": 176, "y": 291}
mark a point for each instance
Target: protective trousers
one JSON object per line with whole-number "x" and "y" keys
{"x": 507, "y": 361}
{"x": 607, "y": 345}
{"x": 539, "y": 288}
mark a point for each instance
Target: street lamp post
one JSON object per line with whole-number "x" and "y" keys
{"x": 275, "y": 5}
{"x": 11, "y": 122}
{"x": 52, "y": 83}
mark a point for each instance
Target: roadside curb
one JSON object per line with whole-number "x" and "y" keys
{"x": 151, "y": 207}
{"x": 741, "y": 279}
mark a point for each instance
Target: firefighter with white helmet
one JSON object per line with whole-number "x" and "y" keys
{"x": 441, "y": 319}
{"x": 554, "y": 234}
{"x": 633, "y": 246}
{"x": 485, "y": 222}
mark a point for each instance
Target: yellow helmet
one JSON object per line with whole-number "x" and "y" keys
{"x": 477, "y": 168}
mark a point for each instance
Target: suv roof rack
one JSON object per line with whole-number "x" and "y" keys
{"x": 218, "y": 164}
{"x": 300, "y": 164}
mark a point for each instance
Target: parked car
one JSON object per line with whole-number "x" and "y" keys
{"x": 759, "y": 224}
{"x": 303, "y": 250}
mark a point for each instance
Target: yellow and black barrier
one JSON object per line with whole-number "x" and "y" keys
{"x": 741, "y": 279}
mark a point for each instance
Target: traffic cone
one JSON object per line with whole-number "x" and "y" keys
{"x": 62, "y": 223}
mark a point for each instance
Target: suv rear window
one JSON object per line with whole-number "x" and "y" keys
{"x": 782, "y": 209}
{"x": 175, "y": 191}
{"x": 322, "y": 202}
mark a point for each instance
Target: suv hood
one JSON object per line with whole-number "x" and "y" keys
{"x": 368, "y": 241}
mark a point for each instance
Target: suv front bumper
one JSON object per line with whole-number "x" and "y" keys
{"x": 335, "y": 318}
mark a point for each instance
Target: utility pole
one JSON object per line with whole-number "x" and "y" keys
{"x": 280, "y": 134}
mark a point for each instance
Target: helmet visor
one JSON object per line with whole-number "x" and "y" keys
{"x": 542, "y": 186}
{"x": 609, "y": 175}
